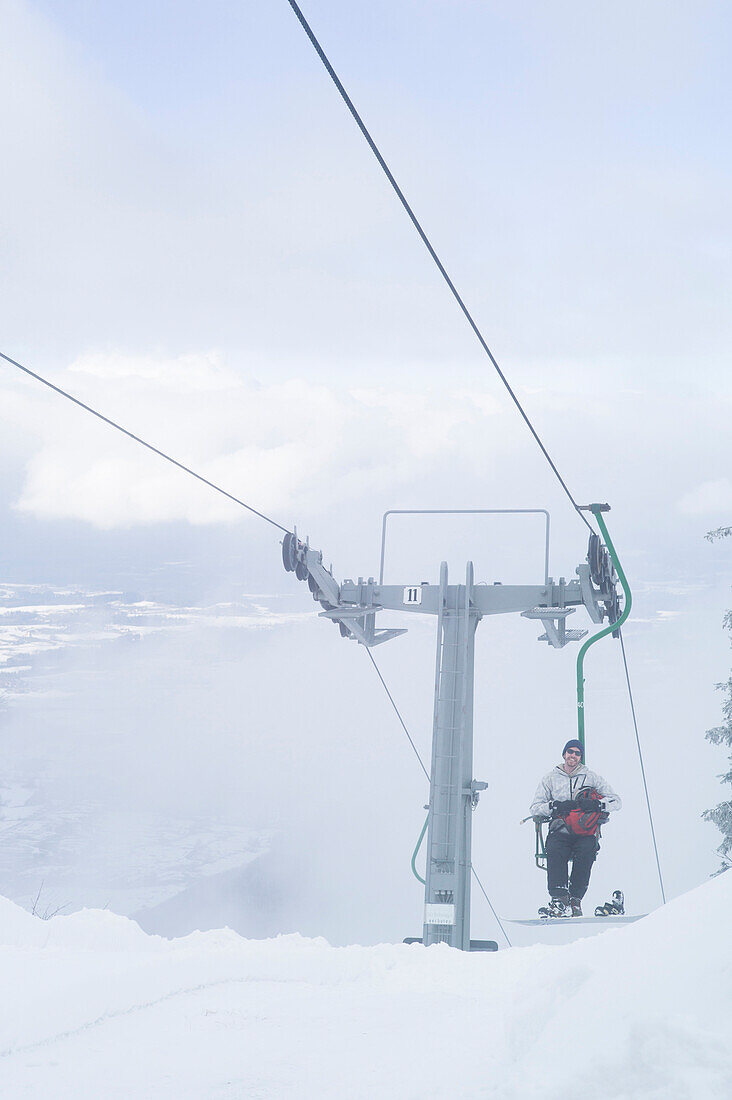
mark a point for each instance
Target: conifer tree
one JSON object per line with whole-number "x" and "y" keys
{"x": 721, "y": 815}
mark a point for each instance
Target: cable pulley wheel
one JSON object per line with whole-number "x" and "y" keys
{"x": 595, "y": 558}
{"x": 289, "y": 552}
{"x": 608, "y": 572}
{"x": 613, "y": 611}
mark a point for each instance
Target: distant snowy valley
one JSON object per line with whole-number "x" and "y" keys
{"x": 64, "y": 849}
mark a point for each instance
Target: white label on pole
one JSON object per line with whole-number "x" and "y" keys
{"x": 413, "y": 595}
{"x": 439, "y": 914}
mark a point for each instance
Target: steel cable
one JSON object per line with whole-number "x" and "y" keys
{"x": 396, "y": 711}
{"x": 428, "y": 245}
{"x": 495, "y": 914}
{"x": 137, "y": 439}
{"x": 643, "y": 770}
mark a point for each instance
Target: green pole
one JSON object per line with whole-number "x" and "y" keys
{"x": 597, "y": 510}
{"x": 416, "y": 850}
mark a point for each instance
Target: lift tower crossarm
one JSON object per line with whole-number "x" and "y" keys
{"x": 494, "y": 599}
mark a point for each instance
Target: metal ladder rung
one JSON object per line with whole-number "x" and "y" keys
{"x": 569, "y": 636}
{"x": 548, "y": 612}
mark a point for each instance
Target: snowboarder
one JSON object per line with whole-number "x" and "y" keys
{"x": 576, "y": 801}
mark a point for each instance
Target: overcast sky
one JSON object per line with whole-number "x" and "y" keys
{"x": 196, "y": 240}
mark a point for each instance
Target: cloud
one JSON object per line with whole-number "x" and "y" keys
{"x": 708, "y": 498}
{"x": 271, "y": 445}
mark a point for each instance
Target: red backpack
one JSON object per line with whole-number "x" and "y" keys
{"x": 586, "y": 821}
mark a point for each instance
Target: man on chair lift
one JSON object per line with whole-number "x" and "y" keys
{"x": 576, "y": 802}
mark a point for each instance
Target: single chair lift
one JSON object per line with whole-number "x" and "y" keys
{"x": 458, "y": 608}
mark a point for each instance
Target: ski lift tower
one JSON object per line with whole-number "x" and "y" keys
{"x": 454, "y": 793}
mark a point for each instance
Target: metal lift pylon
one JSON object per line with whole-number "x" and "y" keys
{"x": 454, "y": 793}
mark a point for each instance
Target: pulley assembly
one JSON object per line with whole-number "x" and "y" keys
{"x": 603, "y": 575}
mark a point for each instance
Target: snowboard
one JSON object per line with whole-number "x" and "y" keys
{"x": 564, "y": 921}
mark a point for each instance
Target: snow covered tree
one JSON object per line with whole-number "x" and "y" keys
{"x": 719, "y": 533}
{"x": 721, "y": 815}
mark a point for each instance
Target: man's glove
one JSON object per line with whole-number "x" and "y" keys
{"x": 590, "y": 805}
{"x": 565, "y": 806}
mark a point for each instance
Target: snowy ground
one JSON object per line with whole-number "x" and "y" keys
{"x": 100, "y": 1009}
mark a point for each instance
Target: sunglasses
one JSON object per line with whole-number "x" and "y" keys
{"x": 573, "y": 752}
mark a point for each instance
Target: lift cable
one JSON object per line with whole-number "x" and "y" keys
{"x": 643, "y": 770}
{"x": 495, "y": 914}
{"x": 427, "y": 243}
{"x": 131, "y": 435}
{"x": 425, "y": 240}
{"x": 421, "y": 764}
{"x": 396, "y": 710}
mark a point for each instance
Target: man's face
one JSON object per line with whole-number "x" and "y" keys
{"x": 572, "y": 760}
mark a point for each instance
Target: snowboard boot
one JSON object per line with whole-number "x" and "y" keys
{"x": 555, "y": 908}
{"x": 614, "y": 908}
{"x": 576, "y": 906}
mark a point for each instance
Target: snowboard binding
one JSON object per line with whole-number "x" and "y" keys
{"x": 614, "y": 908}
{"x": 555, "y": 909}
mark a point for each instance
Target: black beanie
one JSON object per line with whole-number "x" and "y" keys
{"x": 574, "y": 744}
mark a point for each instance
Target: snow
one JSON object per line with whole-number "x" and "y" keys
{"x": 99, "y": 1008}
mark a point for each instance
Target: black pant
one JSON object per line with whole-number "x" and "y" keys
{"x": 562, "y": 847}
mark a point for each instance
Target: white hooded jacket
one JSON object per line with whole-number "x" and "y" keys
{"x": 559, "y": 786}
